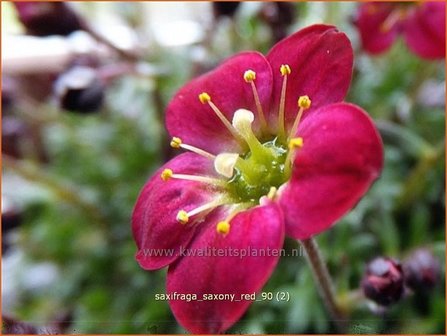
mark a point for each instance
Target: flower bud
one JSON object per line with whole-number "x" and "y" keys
{"x": 41, "y": 18}
{"x": 422, "y": 270}
{"x": 80, "y": 90}
{"x": 383, "y": 281}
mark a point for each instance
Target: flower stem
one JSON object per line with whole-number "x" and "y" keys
{"x": 324, "y": 283}
{"x": 125, "y": 54}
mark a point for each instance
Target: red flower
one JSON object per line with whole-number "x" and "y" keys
{"x": 422, "y": 25}
{"x": 267, "y": 161}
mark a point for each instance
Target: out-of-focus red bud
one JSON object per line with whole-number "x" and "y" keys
{"x": 422, "y": 270}
{"x": 42, "y": 18}
{"x": 383, "y": 281}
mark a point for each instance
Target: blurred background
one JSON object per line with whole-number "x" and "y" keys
{"x": 84, "y": 91}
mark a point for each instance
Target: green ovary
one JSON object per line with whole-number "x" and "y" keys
{"x": 258, "y": 173}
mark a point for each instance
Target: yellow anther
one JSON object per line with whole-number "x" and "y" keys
{"x": 296, "y": 143}
{"x": 182, "y": 217}
{"x": 285, "y": 69}
{"x": 204, "y": 98}
{"x": 249, "y": 76}
{"x": 166, "y": 174}
{"x": 304, "y": 102}
{"x": 176, "y": 142}
{"x": 223, "y": 227}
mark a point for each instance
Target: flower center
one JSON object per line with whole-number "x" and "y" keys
{"x": 254, "y": 178}
{"x": 258, "y": 171}
{"x": 254, "y": 173}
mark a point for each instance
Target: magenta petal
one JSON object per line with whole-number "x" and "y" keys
{"x": 259, "y": 229}
{"x": 370, "y": 20}
{"x": 425, "y": 30}
{"x": 341, "y": 157}
{"x": 196, "y": 123}
{"x": 320, "y": 58}
{"x": 154, "y": 223}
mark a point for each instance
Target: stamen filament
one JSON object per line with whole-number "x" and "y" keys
{"x": 281, "y": 130}
{"x": 177, "y": 143}
{"x": 223, "y": 119}
{"x": 207, "y": 206}
{"x": 295, "y": 123}
{"x": 167, "y": 174}
{"x": 183, "y": 216}
{"x": 249, "y": 77}
{"x": 285, "y": 71}
{"x": 304, "y": 103}
{"x": 262, "y": 120}
{"x": 206, "y": 99}
{"x": 198, "y": 151}
{"x": 204, "y": 179}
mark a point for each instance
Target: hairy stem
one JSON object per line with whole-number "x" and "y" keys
{"x": 324, "y": 283}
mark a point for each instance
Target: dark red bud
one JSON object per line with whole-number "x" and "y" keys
{"x": 422, "y": 270}
{"x": 80, "y": 90}
{"x": 383, "y": 281}
{"x": 42, "y": 18}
